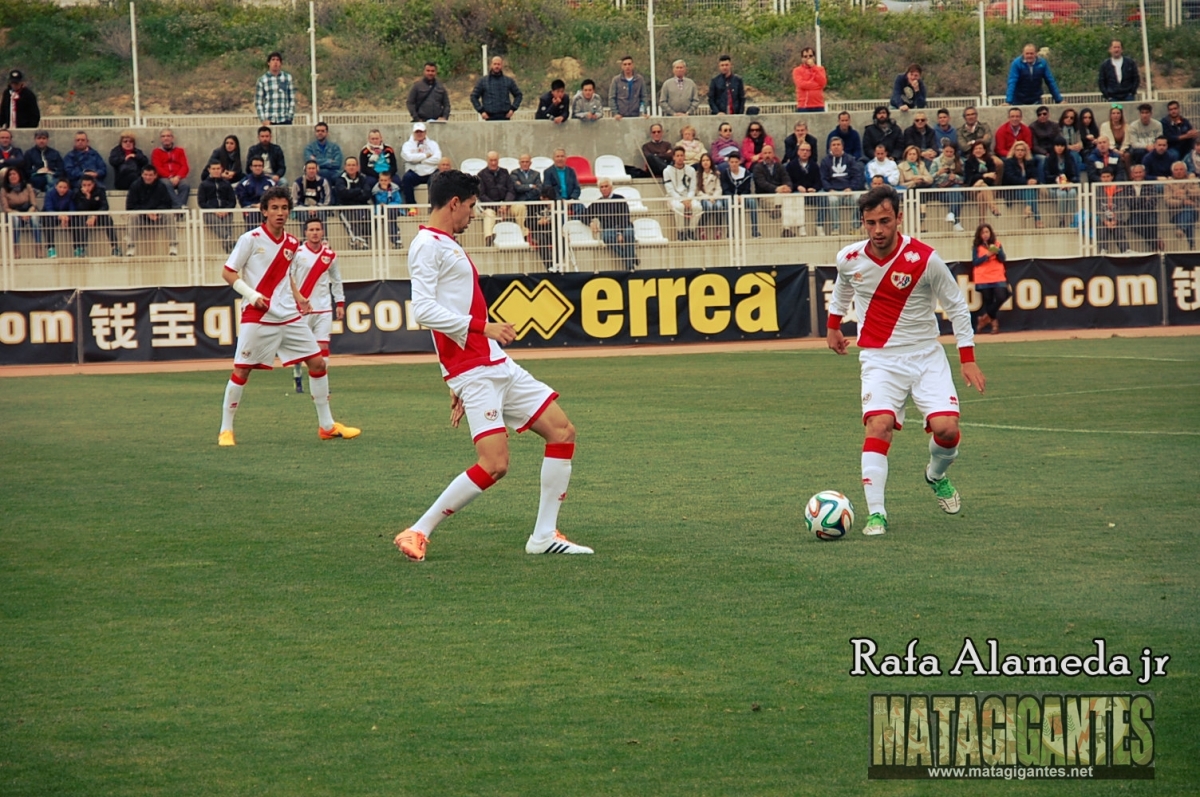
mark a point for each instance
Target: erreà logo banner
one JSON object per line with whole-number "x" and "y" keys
{"x": 1038, "y": 736}
{"x": 687, "y": 305}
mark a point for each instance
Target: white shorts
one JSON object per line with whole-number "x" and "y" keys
{"x": 258, "y": 344}
{"x": 320, "y": 323}
{"x": 889, "y": 379}
{"x": 497, "y": 396}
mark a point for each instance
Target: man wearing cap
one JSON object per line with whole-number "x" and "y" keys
{"x": 18, "y": 105}
{"x": 421, "y": 155}
{"x": 43, "y": 162}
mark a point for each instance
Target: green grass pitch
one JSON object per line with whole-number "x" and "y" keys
{"x": 180, "y": 619}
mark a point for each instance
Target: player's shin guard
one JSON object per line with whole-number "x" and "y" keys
{"x": 233, "y": 397}
{"x": 875, "y": 472}
{"x": 942, "y": 454}
{"x": 318, "y": 386}
{"x": 556, "y": 476}
{"x": 465, "y": 488}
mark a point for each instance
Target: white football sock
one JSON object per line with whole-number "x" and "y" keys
{"x": 875, "y": 473}
{"x": 318, "y": 386}
{"x": 233, "y": 396}
{"x": 941, "y": 457}
{"x": 556, "y": 476}
{"x": 466, "y": 487}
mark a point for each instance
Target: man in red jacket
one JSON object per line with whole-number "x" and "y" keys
{"x": 1011, "y": 133}
{"x": 810, "y": 80}
{"x": 172, "y": 165}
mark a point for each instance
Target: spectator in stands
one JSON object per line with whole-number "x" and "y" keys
{"x": 496, "y": 186}
{"x": 311, "y": 194}
{"x": 944, "y": 129}
{"x": 127, "y": 161}
{"x": 723, "y": 144}
{"x": 920, "y": 135}
{"x": 1044, "y": 131}
{"x": 61, "y": 201}
{"x": 10, "y": 157}
{"x": 851, "y": 140}
{"x": 1192, "y": 159}
{"x": 1117, "y": 132}
{"x": 726, "y": 91}
{"x": 1009, "y": 134}
{"x": 883, "y": 166}
{"x": 274, "y": 165}
{"x": 914, "y": 174}
{"x": 92, "y": 199}
{"x": 428, "y": 100}
{"x": 150, "y": 194}
{"x": 1020, "y": 169}
{"x": 754, "y": 142}
{"x": 216, "y": 194}
{"x": 908, "y": 89}
{"x": 540, "y": 224}
{"x": 692, "y": 148}
{"x": 791, "y": 144}
{"x": 250, "y": 190}
{"x": 388, "y": 196}
{"x": 1182, "y": 198}
{"x": 172, "y": 165}
{"x": 421, "y": 154}
{"x": 1143, "y": 132}
{"x": 18, "y": 105}
{"x": 83, "y": 160}
{"x": 738, "y": 181}
{"x": 1141, "y": 202}
{"x": 658, "y": 153}
{"x": 1026, "y": 76}
{"x": 982, "y": 169}
{"x": 18, "y": 200}
{"x": 679, "y": 183}
{"x": 609, "y": 216}
{"x": 376, "y": 157}
{"x": 947, "y": 173}
{"x": 1104, "y": 157}
{"x": 1110, "y": 213}
{"x": 527, "y": 183}
{"x": 496, "y": 96}
{"x": 1059, "y": 172}
{"x": 679, "y": 96}
{"x": 810, "y": 81}
{"x": 1118, "y": 75}
{"x": 841, "y": 175}
{"x": 275, "y": 95}
{"x": 804, "y": 170}
{"x": 1160, "y": 160}
{"x": 1178, "y": 130}
{"x": 43, "y": 163}
{"x": 229, "y": 155}
{"x": 1068, "y": 128}
{"x": 554, "y": 105}
{"x": 711, "y": 196}
{"x": 325, "y": 153}
{"x": 1089, "y": 131}
{"x": 972, "y": 130}
{"x": 586, "y": 105}
{"x": 627, "y": 92}
{"x": 988, "y": 274}
{"x": 565, "y": 182}
{"x": 353, "y": 189}
{"x": 882, "y": 131}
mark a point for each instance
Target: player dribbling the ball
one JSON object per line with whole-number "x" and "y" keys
{"x": 896, "y": 282}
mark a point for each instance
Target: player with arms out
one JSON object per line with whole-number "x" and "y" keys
{"x": 487, "y": 388}
{"x": 315, "y": 271}
{"x": 271, "y": 320}
{"x": 896, "y": 282}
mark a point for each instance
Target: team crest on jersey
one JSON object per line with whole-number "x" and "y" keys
{"x": 866, "y": 398}
{"x": 901, "y": 281}
{"x": 326, "y": 260}
{"x": 858, "y": 277}
{"x": 911, "y": 257}
{"x": 288, "y": 254}
{"x": 492, "y": 415}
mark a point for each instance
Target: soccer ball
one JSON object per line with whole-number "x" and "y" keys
{"x": 829, "y": 515}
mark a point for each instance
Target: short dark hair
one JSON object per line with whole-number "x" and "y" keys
{"x": 1161, "y": 138}
{"x": 275, "y": 192}
{"x": 265, "y": 127}
{"x": 1147, "y": 107}
{"x": 1041, "y": 108}
{"x": 679, "y": 149}
{"x": 450, "y": 185}
{"x": 723, "y": 57}
{"x": 913, "y": 68}
{"x": 320, "y": 124}
{"x": 258, "y": 158}
{"x": 149, "y": 167}
{"x": 879, "y": 108}
{"x": 431, "y": 63}
{"x": 1173, "y": 102}
{"x": 313, "y": 162}
{"x": 274, "y": 54}
{"x": 876, "y": 197}
{"x": 941, "y": 111}
{"x": 587, "y": 82}
{"x": 314, "y": 220}
{"x": 557, "y": 84}
{"x": 626, "y": 58}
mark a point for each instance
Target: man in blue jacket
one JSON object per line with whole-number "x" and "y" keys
{"x": 1025, "y": 78}
{"x": 84, "y": 160}
{"x": 565, "y": 182}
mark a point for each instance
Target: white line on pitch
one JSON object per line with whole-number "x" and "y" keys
{"x": 1081, "y": 392}
{"x": 1086, "y": 357}
{"x": 1078, "y": 431}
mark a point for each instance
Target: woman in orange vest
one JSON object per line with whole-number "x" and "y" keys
{"x": 989, "y": 277}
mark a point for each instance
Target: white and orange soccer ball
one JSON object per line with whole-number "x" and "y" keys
{"x": 829, "y": 515}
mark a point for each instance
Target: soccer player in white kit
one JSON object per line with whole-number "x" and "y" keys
{"x": 486, "y": 387}
{"x": 896, "y": 282}
{"x": 315, "y": 270}
{"x": 271, "y": 320}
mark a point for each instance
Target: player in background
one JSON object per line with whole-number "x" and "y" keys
{"x": 271, "y": 320}
{"x": 315, "y": 270}
{"x": 486, "y": 387}
{"x": 896, "y": 282}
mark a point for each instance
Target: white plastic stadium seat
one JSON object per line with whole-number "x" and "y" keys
{"x": 612, "y": 167}
{"x": 510, "y": 164}
{"x": 473, "y": 165}
{"x": 541, "y": 163}
{"x": 508, "y": 236}
{"x": 633, "y": 198}
{"x": 579, "y": 234}
{"x": 589, "y": 195}
{"x": 647, "y": 232}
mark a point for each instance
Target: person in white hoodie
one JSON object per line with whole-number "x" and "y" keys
{"x": 679, "y": 181}
{"x": 883, "y": 166}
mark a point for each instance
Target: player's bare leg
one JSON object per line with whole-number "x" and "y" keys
{"x": 318, "y": 386}
{"x": 233, "y": 397}
{"x": 879, "y": 430}
{"x": 943, "y": 450}
{"x": 556, "y": 429}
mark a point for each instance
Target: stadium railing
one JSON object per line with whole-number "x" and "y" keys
{"x": 230, "y": 120}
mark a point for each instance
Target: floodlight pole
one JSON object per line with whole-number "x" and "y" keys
{"x": 653, "y": 68}
{"x": 817, "y": 26}
{"x": 137, "y": 92}
{"x": 1149, "y": 93}
{"x": 312, "y": 56}
{"x": 983, "y": 91}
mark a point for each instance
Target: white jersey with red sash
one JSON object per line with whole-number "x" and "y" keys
{"x": 447, "y": 299}
{"x": 897, "y": 297}
{"x": 265, "y": 263}
{"x": 318, "y": 277}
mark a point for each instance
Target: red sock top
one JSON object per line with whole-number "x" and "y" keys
{"x": 560, "y": 450}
